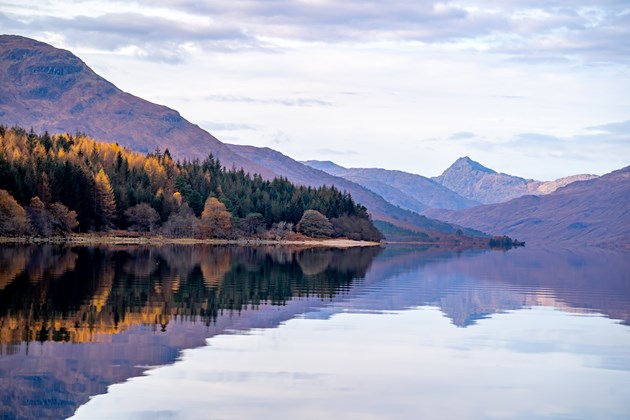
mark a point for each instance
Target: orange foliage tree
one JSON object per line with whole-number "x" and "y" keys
{"x": 215, "y": 222}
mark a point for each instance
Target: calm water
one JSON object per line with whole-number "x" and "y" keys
{"x": 231, "y": 332}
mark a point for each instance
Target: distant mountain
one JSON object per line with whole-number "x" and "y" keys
{"x": 409, "y": 191}
{"x": 326, "y": 166}
{"x": 591, "y": 212}
{"x": 51, "y": 89}
{"x": 478, "y": 183}
{"x": 380, "y": 209}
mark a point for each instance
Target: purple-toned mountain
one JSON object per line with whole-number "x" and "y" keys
{"x": 409, "y": 191}
{"x": 474, "y": 181}
{"x": 591, "y": 212}
{"x": 51, "y": 89}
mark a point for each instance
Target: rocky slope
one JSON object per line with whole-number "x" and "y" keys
{"x": 484, "y": 185}
{"x": 591, "y": 212}
{"x": 51, "y": 89}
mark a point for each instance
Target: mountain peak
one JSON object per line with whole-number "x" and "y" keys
{"x": 467, "y": 163}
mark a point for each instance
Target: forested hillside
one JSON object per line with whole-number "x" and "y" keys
{"x": 103, "y": 186}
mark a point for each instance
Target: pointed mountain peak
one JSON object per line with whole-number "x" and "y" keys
{"x": 469, "y": 164}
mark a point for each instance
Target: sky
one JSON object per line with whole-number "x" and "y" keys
{"x": 538, "y": 89}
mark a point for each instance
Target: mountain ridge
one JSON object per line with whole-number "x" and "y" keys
{"x": 476, "y": 182}
{"x": 410, "y": 191}
{"x": 590, "y": 212}
{"x": 51, "y": 89}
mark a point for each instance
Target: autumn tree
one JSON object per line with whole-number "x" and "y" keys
{"x": 215, "y": 222}
{"x": 315, "y": 224}
{"x": 101, "y": 181}
{"x": 105, "y": 199}
{"x": 63, "y": 219}
{"x": 13, "y": 220}
{"x": 142, "y": 217}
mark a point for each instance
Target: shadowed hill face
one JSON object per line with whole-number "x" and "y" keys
{"x": 51, "y": 89}
{"x": 592, "y": 212}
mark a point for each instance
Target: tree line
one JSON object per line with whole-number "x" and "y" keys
{"x": 54, "y": 184}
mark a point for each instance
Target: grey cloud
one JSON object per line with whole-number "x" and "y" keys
{"x": 462, "y": 135}
{"x": 300, "y": 102}
{"x": 587, "y": 33}
{"x": 622, "y": 128}
{"x": 593, "y": 32}
{"x": 156, "y": 38}
{"x": 536, "y": 138}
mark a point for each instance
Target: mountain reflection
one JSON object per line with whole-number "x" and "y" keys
{"x": 81, "y": 294}
{"x": 473, "y": 285}
{"x": 74, "y": 320}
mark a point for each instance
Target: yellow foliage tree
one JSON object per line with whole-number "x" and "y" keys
{"x": 13, "y": 220}
{"x": 215, "y": 222}
{"x": 105, "y": 198}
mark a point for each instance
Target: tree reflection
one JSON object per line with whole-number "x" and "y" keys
{"x": 79, "y": 294}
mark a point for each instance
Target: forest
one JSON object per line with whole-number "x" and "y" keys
{"x": 56, "y": 184}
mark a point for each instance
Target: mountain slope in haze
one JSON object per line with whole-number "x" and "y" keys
{"x": 591, "y": 212}
{"x": 404, "y": 189}
{"x": 51, "y": 89}
{"x": 484, "y": 185}
{"x": 378, "y": 207}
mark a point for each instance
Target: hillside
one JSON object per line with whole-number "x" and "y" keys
{"x": 409, "y": 191}
{"x": 379, "y": 208}
{"x": 592, "y": 212}
{"x": 51, "y": 89}
{"x": 484, "y": 185}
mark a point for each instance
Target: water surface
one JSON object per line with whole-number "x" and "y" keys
{"x": 229, "y": 332}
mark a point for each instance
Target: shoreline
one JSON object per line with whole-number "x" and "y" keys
{"x": 91, "y": 239}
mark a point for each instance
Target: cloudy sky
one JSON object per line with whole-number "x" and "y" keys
{"x": 534, "y": 88}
